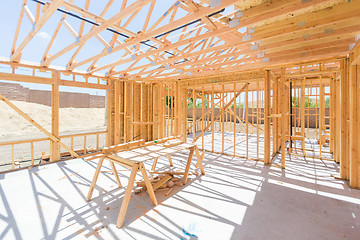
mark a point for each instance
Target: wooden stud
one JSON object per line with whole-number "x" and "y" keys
{"x": 353, "y": 156}
{"x": 55, "y": 121}
{"x": 344, "y": 161}
{"x": 283, "y": 117}
{"x": 267, "y": 119}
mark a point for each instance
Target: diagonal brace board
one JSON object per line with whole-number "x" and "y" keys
{"x": 222, "y": 110}
{"x": 24, "y": 115}
{"x": 243, "y": 120}
{"x": 204, "y": 115}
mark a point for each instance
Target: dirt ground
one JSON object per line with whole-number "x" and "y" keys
{"x": 72, "y": 120}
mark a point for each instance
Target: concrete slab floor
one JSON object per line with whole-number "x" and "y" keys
{"x": 236, "y": 199}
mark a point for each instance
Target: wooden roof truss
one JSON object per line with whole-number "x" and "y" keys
{"x": 213, "y": 37}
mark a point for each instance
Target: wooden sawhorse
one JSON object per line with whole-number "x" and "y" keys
{"x": 134, "y": 159}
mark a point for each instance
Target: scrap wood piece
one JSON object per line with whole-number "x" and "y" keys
{"x": 172, "y": 143}
{"x": 163, "y": 180}
{"x": 175, "y": 179}
{"x": 162, "y": 189}
{"x": 179, "y": 183}
{"x": 170, "y": 184}
{"x": 168, "y": 192}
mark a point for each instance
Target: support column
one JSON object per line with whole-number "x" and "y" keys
{"x": 332, "y": 116}
{"x": 302, "y": 107}
{"x": 109, "y": 114}
{"x": 338, "y": 121}
{"x": 344, "y": 158}
{"x": 354, "y": 151}
{"x": 267, "y": 118}
{"x": 55, "y": 146}
{"x": 284, "y": 122}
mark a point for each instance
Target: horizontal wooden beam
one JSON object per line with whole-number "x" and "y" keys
{"x": 43, "y": 80}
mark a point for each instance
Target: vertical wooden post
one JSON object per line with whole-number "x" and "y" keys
{"x": 247, "y": 119}
{"x": 203, "y": 117}
{"x": 344, "y": 161}
{"x": 32, "y": 153}
{"x": 132, "y": 111}
{"x": 55, "y": 146}
{"x": 302, "y": 120}
{"x": 117, "y": 112}
{"x": 322, "y": 115}
{"x": 275, "y": 119}
{"x": 354, "y": 131}
{"x": 125, "y": 113}
{"x": 184, "y": 114}
{"x": 358, "y": 123}
{"x": 141, "y": 110}
{"x": 85, "y": 144}
{"x": 283, "y": 116}
{"x": 338, "y": 121}
{"x": 332, "y": 122}
{"x": 178, "y": 109}
{"x": 267, "y": 118}
{"x": 234, "y": 119}
{"x": 12, "y": 157}
{"x": 194, "y": 113}
{"x": 212, "y": 117}
{"x": 109, "y": 115}
{"x": 222, "y": 118}
{"x": 257, "y": 117}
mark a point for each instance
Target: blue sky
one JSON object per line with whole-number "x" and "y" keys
{"x": 9, "y": 14}
{"x": 10, "y": 11}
